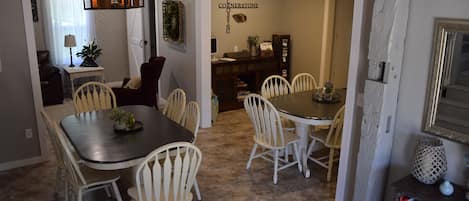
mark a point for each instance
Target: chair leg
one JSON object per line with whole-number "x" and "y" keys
{"x": 253, "y": 152}
{"x": 116, "y": 191}
{"x": 108, "y": 192}
{"x": 310, "y": 148}
{"x": 58, "y": 178}
{"x": 80, "y": 195}
{"x": 330, "y": 165}
{"x": 67, "y": 191}
{"x": 276, "y": 166}
{"x": 297, "y": 156}
{"x": 286, "y": 153}
{"x": 197, "y": 190}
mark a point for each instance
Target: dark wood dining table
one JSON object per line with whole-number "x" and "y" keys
{"x": 97, "y": 144}
{"x": 304, "y": 111}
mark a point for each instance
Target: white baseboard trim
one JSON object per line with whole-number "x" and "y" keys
{"x": 22, "y": 163}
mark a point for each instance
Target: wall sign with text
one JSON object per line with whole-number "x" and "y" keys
{"x": 238, "y": 5}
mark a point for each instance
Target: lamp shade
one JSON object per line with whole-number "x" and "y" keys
{"x": 70, "y": 41}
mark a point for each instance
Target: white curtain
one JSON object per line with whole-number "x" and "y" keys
{"x": 63, "y": 17}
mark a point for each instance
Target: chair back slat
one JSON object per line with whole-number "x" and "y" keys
{"x": 191, "y": 118}
{"x": 275, "y": 85}
{"x": 74, "y": 175}
{"x": 334, "y": 137}
{"x": 266, "y": 121}
{"x": 93, "y": 96}
{"x": 304, "y": 82}
{"x": 53, "y": 138}
{"x": 170, "y": 177}
{"x": 176, "y": 103}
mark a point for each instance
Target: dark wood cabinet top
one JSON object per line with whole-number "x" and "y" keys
{"x": 243, "y": 60}
{"x": 411, "y": 187}
{"x": 95, "y": 140}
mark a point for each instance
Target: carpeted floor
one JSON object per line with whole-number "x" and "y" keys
{"x": 222, "y": 176}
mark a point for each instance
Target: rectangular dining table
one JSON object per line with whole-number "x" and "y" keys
{"x": 304, "y": 111}
{"x": 97, "y": 144}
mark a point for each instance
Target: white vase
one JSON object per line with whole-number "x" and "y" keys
{"x": 430, "y": 161}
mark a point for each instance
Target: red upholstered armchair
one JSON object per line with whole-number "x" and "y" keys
{"x": 147, "y": 93}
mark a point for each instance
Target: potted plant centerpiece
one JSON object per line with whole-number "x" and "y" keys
{"x": 326, "y": 94}
{"x": 124, "y": 121}
{"x": 89, "y": 54}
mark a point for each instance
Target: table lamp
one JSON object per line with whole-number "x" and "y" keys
{"x": 70, "y": 42}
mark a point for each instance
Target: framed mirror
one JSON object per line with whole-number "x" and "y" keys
{"x": 447, "y": 101}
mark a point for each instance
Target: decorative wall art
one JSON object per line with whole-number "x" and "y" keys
{"x": 239, "y": 18}
{"x": 174, "y": 22}
{"x": 34, "y": 10}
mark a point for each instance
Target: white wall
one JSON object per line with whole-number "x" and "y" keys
{"x": 262, "y": 21}
{"x": 17, "y": 108}
{"x": 179, "y": 70}
{"x": 413, "y": 87}
{"x": 111, "y": 36}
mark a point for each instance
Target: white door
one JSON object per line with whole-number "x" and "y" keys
{"x": 136, "y": 40}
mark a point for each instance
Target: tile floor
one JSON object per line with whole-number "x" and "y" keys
{"x": 222, "y": 176}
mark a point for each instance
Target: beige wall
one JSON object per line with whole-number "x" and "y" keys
{"x": 263, "y": 21}
{"x": 341, "y": 43}
{"x": 111, "y": 36}
{"x": 17, "y": 107}
{"x": 302, "y": 19}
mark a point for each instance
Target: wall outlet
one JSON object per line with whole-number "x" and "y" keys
{"x": 28, "y": 133}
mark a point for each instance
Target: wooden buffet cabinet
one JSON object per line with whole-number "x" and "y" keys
{"x": 232, "y": 80}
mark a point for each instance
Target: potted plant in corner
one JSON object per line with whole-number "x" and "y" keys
{"x": 89, "y": 54}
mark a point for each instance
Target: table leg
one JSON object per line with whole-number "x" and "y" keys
{"x": 73, "y": 87}
{"x": 302, "y": 132}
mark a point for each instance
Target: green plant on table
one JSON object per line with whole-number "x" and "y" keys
{"x": 253, "y": 41}
{"x": 122, "y": 117}
{"x": 90, "y": 51}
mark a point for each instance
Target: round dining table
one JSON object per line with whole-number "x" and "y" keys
{"x": 305, "y": 112}
{"x": 100, "y": 147}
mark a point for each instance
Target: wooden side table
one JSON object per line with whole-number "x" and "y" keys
{"x": 409, "y": 186}
{"x": 80, "y": 72}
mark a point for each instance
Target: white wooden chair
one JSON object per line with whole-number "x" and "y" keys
{"x": 269, "y": 134}
{"x": 79, "y": 178}
{"x": 191, "y": 118}
{"x": 93, "y": 96}
{"x": 162, "y": 177}
{"x": 304, "y": 82}
{"x": 332, "y": 139}
{"x": 191, "y": 121}
{"x": 60, "y": 174}
{"x": 175, "y": 105}
{"x": 275, "y": 85}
